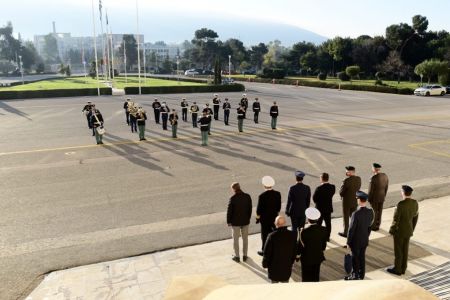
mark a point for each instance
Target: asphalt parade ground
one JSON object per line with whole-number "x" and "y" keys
{"x": 66, "y": 201}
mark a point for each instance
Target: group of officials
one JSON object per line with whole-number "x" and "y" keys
{"x": 280, "y": 246}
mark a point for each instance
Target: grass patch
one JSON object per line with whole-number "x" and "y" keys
{"x": 55, "y": 84}
{"x": 394, "y": 84}
{"x": 119, "y": 82}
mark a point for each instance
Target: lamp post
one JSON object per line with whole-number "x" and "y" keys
{"x": 21, "y": 67}
{"x": 229, "y": 68}
{"x": 178, "y": 66}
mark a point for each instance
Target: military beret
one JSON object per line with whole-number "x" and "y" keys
{"x": 312, "y": 213}
{"x": 299, "y": 174}
{"x": 350, "y": 168}
{"x": 361, "y": 195}
{"x": 376, "y": 166}
{"x": 407, "y": 189}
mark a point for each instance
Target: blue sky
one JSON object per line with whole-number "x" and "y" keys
{"x": 325, "y": 17}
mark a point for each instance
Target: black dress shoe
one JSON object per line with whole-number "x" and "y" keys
{"x": 375, "y": 229}
{"x": 392, "y": 271}
{"x": 260, "y": 253}
{"x": 351, "y": 277}
{"x": 244, "y": 258}
{"x": 342, "y": 234}
{"x": 236, "y": 258}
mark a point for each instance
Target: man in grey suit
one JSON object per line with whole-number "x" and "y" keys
{"x": 378, "y": 188}
{"x": 348, "y": 190}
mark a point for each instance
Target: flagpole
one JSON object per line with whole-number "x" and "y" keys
{"x": 138, "y": 46}
{"x": 95, "y": 48}
{"x": 107, "y": 47}
{"x": 112, "y": 50}
{"x": 105, "y": 74}
{"x": 145, "y": 70}
{"x": 125, "y": 59}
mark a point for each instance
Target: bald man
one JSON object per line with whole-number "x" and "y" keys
{"x": 280, "y": 252}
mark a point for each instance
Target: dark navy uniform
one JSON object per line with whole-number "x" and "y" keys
{"x": 256, "y": 110}
{"x": 226, "y": 112}
{"x": 313, "y": 242}
{"x": 358, "y": 239}
{"x": 184, "y": 109}
{"x": 299, "y": 198}
{"x": 194, "y": 113}
{"x": 244, "y": 103}
{"x": 156, "y": 109}
{"x": 241, "y": 117}
{"x": 216, "y": 105}
{"x": 164, "y": 116}
{"x": 127, "y": 113}
{"x": 274, "y": 115}
{"x": 87, "y": 111}
{"x": 204, "y": 125}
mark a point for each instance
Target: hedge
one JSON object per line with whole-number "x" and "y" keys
{"x": 53, "y": 93}
{"x": 185, "y": 89}
{"x": 197, "y": 80}
{"x": 323, "y": 84}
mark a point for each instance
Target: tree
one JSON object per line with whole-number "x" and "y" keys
{"x": 68, "y": 71}
{"x": 298, "y": 50}
{"x": 257, "y": 55}
{"x": 308, "y": 61}
{"x": 217, "y": 72}
{"x": 93, "y": 70}
{"x": 352, "y": 71}
{"x": 130, "y": 50}
{"x": 237, "y": 50}
{"x": 273, "y": 57}
{"x": 431, "y": 68}
{"x": 9, "y": 46}
{"x": 51, "y": 54}
{"x": 340, "y": 51}
{"x": 6, "y": 66}
{"x": 394, "y": 65}
{"x": 29, "y": 54}
{"x": 204, "y": 47}
{"x": 40, "y": 67}
{"x": 62, "y": 69}
{"x": 167, "y": 66}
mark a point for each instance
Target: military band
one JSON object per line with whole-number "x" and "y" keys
{"x": 156, "y": 109}
{"x": 141, "y": 117}
{"x": 184, "y": 109}
{"x": 164, "y": 115}
{"x": 216, "y": 105}
{"x": 194, "y": 113}
{"x": 226, "y": 111}
{"x": 209, "y": 114}
{"x": 173, "y": 118}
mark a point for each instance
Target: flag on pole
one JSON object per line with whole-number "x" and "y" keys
{"x": 100, "y": 8}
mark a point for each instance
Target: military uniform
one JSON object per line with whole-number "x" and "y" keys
{"x": 204, "y": 124}
{"x": 97, "y": 121}
{"x": 127, "y": 113}
{"x": 226, "y": 111}
{"x": 216, "y": 106}
{"x": 348, "y": 190}
{"x": 156, "y": 109}
{"x": 164, "y": 116}
{"x": 132, "y": 109}
{"x": 184, "y": 109}
{"x": 256, "y": 110}
{"x": 323, "y": 198}
{"x": 240, "y": 117}
{"x": 194, "y": 113}
{"x": 244, "y": 104}
{"x": 209, "y": 114}
{"x": 87, "y": 111}
{"x": 299, "y": 199}
{"x": 141, "y": 118}
{"x": 402, "y": 228}
{"x": 274, "y": 115}
{"x": 313, "y": 242}
{"x": 378, "y": 188}
{"x": 358, "y": 238}
{"x": 173, "y": 118}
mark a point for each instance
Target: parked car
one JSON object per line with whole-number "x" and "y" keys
{"x": 430, "y": 90}
{"x": 448, "y": 89}
{"x": 227, "y": 80}
{"x": 191, "y": 72}
{"x": 207, "y": 72}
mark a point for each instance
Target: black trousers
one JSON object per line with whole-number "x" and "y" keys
{"x": 310, "y": 273}
{"x": 157, "y": 113}
{"x": 245, "y": 112}
{"x": 127, "y": 117}
{"x": 194, "y": 119}
{"x": 88, "y": 117}
{"x": 266, "y": 228}
{"x": 297, "y": 223}
{"x": 378, "y": 210}
{"x": 133, "y": 124}
{"x": 184, "y": 114}
{"x": 359, "y": 262}
{"x": 164, "y": 118}
{"x": 255, "y": 116}
{"x": 226, "y": 116}
{"x": 327, "y": 218}
{"x": 216, "y": 112}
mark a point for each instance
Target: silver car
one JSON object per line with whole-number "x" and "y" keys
{"x": 430, "y": 90}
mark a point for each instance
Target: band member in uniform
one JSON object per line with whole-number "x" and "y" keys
{"x": 97, "y": 122}
{"x": 348, "y": 190}
{"x": 87, "y": 111}
{"x": 358, "y": 236}
{"x": 127, "y": 113}
{"x": 244, "y": 103}
{"x": 194, "y": 113}
{"x": 402, "y": 228}
{"x": 164, "y": 115}
{"x": 256, "y": 110}
{"x": 323, "y": 198}
{"x": 226, "y": 111}
{"x": 184, "y": 109}
{"x": 240, "y": 117}
{"x": 173, "y": 118}
{"x": 132, "y": 110}
{"x": 156, "y": 109}
{"x": 313, "y": 242}
{"x": 141, "y": 116}
{"x": 274, "y": 115}
{"x": 378, "y": 188}
{"x": 216, "y": 105}
{"x": 268, "y": 208}
{"x": 209, "y": 114}
{"x": 204, "y": 124}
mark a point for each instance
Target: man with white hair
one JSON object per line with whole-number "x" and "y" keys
{"x": 269, "y": 206}
{"x": 279, "y": 252}
{"x": 313, "y": 241}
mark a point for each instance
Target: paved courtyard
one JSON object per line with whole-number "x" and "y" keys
{"x": 68, "y": 202}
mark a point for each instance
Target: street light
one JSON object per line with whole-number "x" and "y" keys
{"x": 178, "y": 65}
{"x": 21, "y": 67}
{"x": 229, "y": 68}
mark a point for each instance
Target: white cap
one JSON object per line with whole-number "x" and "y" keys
{"x": 312, "y": 213}
{"x": 268, "y": 181}
{"x": 216, "y": 95}
{"x": 244, "y": 95}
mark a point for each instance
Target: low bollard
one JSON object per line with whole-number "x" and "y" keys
{"x": 273, "y": 81}
{"x": 296, "y": 83}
